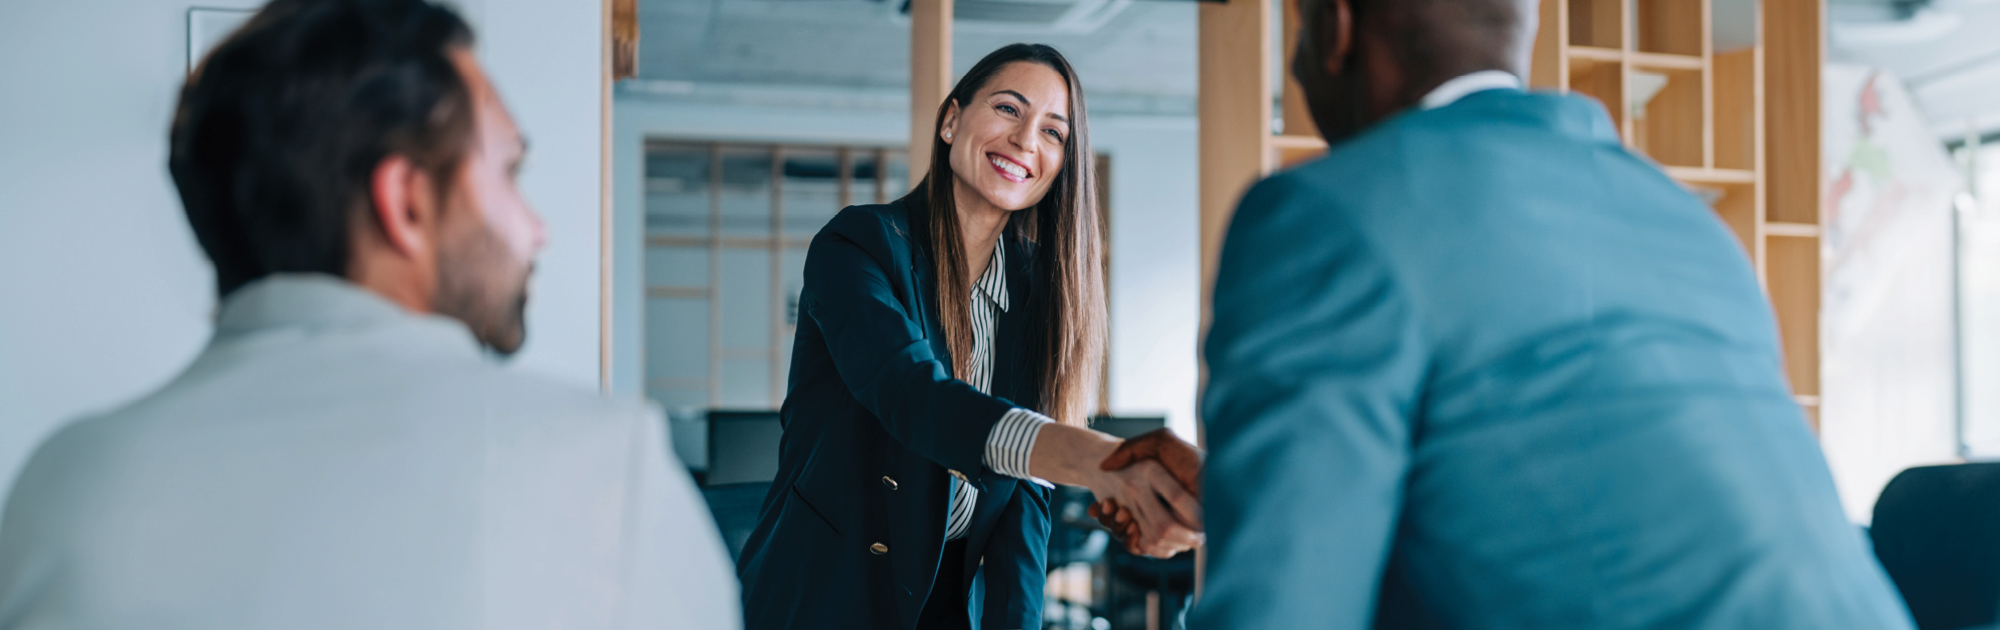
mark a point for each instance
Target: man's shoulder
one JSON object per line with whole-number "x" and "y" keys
{"x": 514, "y": 399}
{"x": 269, "y": 397}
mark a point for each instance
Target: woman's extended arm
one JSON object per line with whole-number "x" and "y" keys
{"x": 1169, "y": 515}
{"x": 880, "y": 352}
{"x": 881, "y": 355}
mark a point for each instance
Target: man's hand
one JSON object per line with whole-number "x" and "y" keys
{"x": 1183, "y": 462}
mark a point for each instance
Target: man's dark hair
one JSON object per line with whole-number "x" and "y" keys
{"x": 280, "y": 129}
{"x": 1441, "y": 38}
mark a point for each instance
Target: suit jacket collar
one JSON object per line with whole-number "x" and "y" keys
{"x": 1567, "y": 114}
{"x": 317, "y": 302}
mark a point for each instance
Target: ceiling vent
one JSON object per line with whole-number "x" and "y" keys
{"x": 1042, "y": 16}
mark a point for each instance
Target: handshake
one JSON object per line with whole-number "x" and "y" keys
{"x": 1161, "y": 517}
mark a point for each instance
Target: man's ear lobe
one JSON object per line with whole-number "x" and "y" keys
{"x": 1336, "y": 34}
{"x": 403, "y": 204}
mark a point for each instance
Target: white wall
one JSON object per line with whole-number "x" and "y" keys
{"x": 104, "y": 293}
{"x": 1888, "y": 389}
{"x": 1155, "y": 255}
{"x": 546, "y": 59}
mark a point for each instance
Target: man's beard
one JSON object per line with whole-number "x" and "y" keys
{"x": 481, "y": 285}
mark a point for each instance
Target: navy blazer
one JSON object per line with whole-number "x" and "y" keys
{"x": 852, "y": 532}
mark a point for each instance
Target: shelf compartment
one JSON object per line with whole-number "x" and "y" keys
{"x": 1671, "y": 26}
{"x": 1736, "y": 204}
{"x": 1668, "y": 123}
{"x": 1793, "y": 279}
{"x": 1601, "y": 80}
{"x": 1598, "y": 23}
{"x": 1737, "y": 129}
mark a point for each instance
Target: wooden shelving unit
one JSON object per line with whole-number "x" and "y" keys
{"x": 1700, "y": 113}
{"x": 1706, "y": 127}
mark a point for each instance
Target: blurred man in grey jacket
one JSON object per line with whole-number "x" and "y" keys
{"x": 346, "y": 452}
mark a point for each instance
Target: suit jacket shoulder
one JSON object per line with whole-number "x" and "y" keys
{"x": 879, "y": 228}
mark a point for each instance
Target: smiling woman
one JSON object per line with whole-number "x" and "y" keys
{"x": 1005, "y": 134}
{"x": 947, "y": 354}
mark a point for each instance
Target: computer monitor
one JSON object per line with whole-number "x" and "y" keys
{"x": 1127, "y": 426}
{"x": 742, "y": 446}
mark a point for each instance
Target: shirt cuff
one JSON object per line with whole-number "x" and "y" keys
{"x": 1010, "y": 442}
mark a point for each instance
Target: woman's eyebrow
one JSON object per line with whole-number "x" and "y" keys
{"x": 1025, "y": 101}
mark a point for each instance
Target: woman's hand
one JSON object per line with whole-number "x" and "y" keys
{"x": 1164, "y": 516}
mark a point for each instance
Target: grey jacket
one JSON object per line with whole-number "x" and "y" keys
{"x": 331, "y": 460}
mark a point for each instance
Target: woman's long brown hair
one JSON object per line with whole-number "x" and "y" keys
{"x": 1066, "y": 307}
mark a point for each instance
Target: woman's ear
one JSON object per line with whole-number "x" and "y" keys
{"x": 950, "y": 121}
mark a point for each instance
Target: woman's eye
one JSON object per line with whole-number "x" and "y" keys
{"x": 1054, "y": 134}
{"x": 1007, "y": 108}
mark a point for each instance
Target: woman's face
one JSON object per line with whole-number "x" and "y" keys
{"x": 1007, "y": 141}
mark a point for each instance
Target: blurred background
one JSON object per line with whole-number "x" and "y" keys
{"x": 685, "y": 151}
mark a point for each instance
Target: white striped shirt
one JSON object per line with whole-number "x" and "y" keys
{"x": 1013, "y": 438}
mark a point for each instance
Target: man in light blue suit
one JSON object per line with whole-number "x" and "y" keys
{"x": 1481, "y": 367}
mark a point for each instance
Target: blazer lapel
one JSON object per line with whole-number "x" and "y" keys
{"x": 1011, "y": 365}
{"x": 923, "y": 285}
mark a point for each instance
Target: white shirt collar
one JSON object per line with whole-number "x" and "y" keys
{"x": 1480, "y": 81}
{"x": 993, "y": 283}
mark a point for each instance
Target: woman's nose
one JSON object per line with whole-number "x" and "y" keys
{"x": 1024, "y": 136}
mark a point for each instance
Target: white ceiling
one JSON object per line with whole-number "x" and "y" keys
{"x": 1146, "y": 50}
{"x": 1143, "y": 58}
{"x": 1954, "y": 76}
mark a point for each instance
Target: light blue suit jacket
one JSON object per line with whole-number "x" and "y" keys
{"x": 1488, "y": 351}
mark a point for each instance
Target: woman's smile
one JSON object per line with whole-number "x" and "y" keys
{"x": 1010, "y": 168}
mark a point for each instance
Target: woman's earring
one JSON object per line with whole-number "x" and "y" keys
{"x": 947, "y": 135}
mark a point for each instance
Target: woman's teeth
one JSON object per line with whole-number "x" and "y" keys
{"x": 1009, "y": 166}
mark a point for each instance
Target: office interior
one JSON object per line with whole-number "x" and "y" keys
{"x": 686, "y": 151}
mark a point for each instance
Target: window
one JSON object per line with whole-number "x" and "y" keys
{"x": 727, "y": 227}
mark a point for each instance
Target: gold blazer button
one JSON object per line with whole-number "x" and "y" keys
{"x": 878, "y": 549}
{"x": 891, "y": 483}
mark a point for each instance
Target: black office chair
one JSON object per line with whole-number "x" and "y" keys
{"x": 735, "y": 508}
{"x": 742, "y": 446}
{"x": 742, "y": 462}
{"x": 1937, "y": 532}
{"x": 1127, "y": 426}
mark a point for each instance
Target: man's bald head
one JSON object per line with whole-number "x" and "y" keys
{"x": 1362, "y": 60}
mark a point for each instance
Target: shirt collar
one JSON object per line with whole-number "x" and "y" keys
{"x": 993, "y": 283}
{"x": 1458, "y": 88}
{"x": 320, "y": 301}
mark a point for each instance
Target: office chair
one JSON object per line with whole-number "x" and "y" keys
{"x": 1937, "y": 532}
{"x": 742, "y": 462}
{"x": 742, "y": 446}
{"x": 735, "y": 509}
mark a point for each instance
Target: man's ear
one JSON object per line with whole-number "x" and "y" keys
{"x": 1336, "y": 34}
{"x": 405, "y": 206}
{"x": 950, "y": 121}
